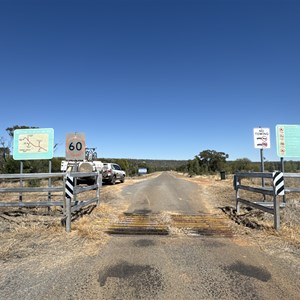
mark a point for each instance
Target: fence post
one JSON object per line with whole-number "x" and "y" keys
{"x": 68, "y": 214}
{"x": 236, "y": 183}
{"x": 278, "y": 190}
{"x": 276, "y": 213}
{"x": 68, "y": 188}
{"x": 99, "y": 183}
{"x": 64, "y": 194}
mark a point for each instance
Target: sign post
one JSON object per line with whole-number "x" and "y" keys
{"x": 75, "y": 146}
{"x": 261, "y": 138}
{"x": 288, "y": 140}
{"x": 33, "y": 143}
{"x": 262, "y": 141}
{"x": 288, "y": 143}
{"x": 37, "y": 143}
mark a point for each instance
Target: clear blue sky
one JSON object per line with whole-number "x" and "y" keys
{"x": 153, "y": 79}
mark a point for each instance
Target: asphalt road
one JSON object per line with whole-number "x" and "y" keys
{"x": 162, "y": 267}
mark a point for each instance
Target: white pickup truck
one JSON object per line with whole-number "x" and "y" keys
{"x": 82, "y": 166}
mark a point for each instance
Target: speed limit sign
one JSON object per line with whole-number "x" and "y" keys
{"x": 75, "y": 146}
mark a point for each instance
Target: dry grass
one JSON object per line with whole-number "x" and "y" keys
{"x": 291, "y": 222}
{"x": 26, "y": 233}
{"x": 33, "y": 233}
{"x": 43, "y": 238}
{"x": 257, "y": 224}
{"x": 94, "y": 226}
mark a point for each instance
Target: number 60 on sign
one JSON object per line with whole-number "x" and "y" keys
{"x": 75, "y": 146}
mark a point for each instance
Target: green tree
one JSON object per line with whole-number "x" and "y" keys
{"x": 194, "y": 167}
{"x": 11, "y": 166}
{"x": 242, "y": 164}
{"x": 212, "y": 160}
{"x": 124, "y": 165}
{"x": 10, "y": 130}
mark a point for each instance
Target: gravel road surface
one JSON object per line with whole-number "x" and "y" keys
{"x": 154, "y": 267}
{"x": 165, "y": 193}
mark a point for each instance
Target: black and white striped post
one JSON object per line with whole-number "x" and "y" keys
{"x": 278, "y": 187}
{"x": 69, "y": 186}
{"x": 69, "y": 195}
{"x": 278, "y": 183}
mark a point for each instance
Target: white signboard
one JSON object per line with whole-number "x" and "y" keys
{"x": 142, "y": 170}
{"x": 33, "y": 143}
{"x": 261, "y": 138}
{"x": 75, "y": 146}
{"x": 288, "y": 140}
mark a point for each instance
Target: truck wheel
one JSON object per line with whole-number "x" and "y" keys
{"x": 123, "y": 179}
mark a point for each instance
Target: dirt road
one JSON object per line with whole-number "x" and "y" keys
{"x": 165, "y": 193}
{"x": 181, "y": 265}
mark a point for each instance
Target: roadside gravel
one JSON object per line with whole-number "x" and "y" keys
{"x": 39, "y": 260}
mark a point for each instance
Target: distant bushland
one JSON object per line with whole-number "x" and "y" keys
{"x": 211, "y": 163}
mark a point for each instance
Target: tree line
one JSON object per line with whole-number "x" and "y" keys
{"x": 206, "y": 162}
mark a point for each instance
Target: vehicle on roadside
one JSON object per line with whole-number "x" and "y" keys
{"x": 88, "y": 165}
{"x": 112, "y": 172}
{"x": 83, "y": 167}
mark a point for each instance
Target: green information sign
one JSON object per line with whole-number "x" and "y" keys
{"x": 33, "y": 143}
{"x": 288, "y": 140}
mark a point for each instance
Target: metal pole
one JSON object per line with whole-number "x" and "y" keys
{"x": 99, "y": 183}
{"x": 276, "y": 209}
{"x": 21, "y": 181}
{"x": 68, "y": 214}
{"x": 282, "y": 170}
{"x": 64, "y": 194}
{"x": 67, "y": 209}
{"x": 76, "y": 169}
{"x": 262, "y": 166}
{"x": 276, "y": 213}
{"x": 49, "y": 182}
{"x": 75, "y": 202}
{"x": 282, "y": 164}
{"x": 237, "y": 194}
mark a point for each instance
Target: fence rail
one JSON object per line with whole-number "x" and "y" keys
{"x": 70, "y": 205}
{"x": 269, "y": 207}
